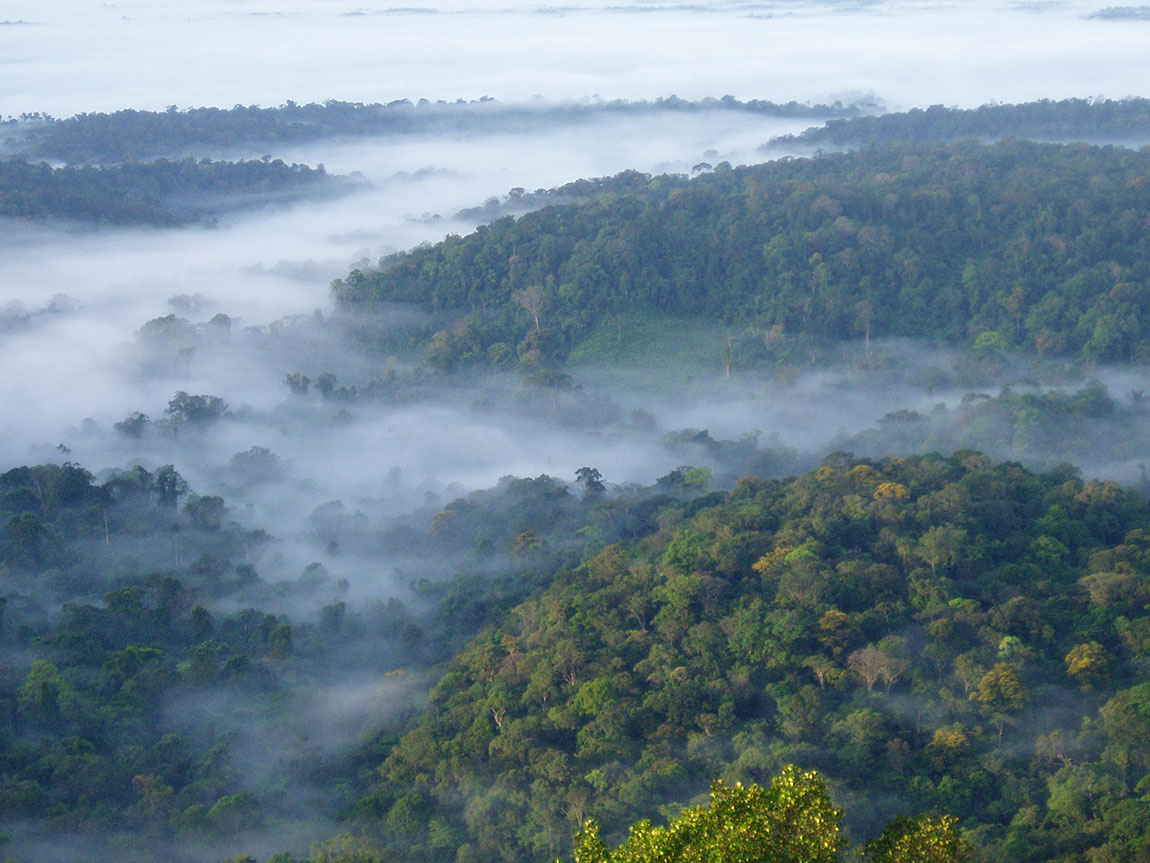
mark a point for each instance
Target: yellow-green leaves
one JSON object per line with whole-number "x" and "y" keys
{"x": 791, "y": 821}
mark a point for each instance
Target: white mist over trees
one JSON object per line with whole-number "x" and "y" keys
{"x": 263, "y": 526}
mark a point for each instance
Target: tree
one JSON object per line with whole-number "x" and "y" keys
{"x": 872, "y": 665}
{"x": 1126, "y": 721}
{"x": 864, "y": 315}
{"x": 1000, "y": 693}
{"x": 822, "y": 668}
{"x": 1086, "y": 664}
{"x": 206, "y": 513}
{"x": 791, "y": 821}
{"x": 132, "y": 425}
{"x": 940, "y": 545}
{"x": 1081, "y": 793}
{"x": 526, "y": 544}
{"x": 530, "y": 299}
{"x": 861, "y": 735}
{"x": 325, "y": 383}
{"x": 169, "y": 485}
{"x": 298, "y": 383}
{"x": 922, "y": 839}
{"x": 195, "y": 410}
{"x": 591, "y": 480}
{"x": 255, "y": 465}
{"x": 25, "y": 536}
{"x": 39, "y": 695}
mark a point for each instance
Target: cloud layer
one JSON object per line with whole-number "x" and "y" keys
{"x": 67, "y": 57}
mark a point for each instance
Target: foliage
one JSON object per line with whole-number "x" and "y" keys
{"x": 161, "y": 193}
{"x": 1014, "y": 245}
{"x": 972, "y": 643}
{"x": 1045, "y": 120}
{"x": 1042, "y": 428}
{"x": 790, "y": 821}
{"x": 732, "y": 641}
{"x": 923, "y": 839}
{"x": 131, "y": 134}
{"x": 163, "y": 611}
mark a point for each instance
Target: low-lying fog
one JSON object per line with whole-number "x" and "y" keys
{"x": 65, "y": 57}
{"x": 74, "y": 300}
{"x": 78, "y": 358}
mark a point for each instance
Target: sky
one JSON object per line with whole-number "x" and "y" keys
{"x": 69, "y": 57}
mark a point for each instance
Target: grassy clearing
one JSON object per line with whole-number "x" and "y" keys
{"x": 649, "y": 338}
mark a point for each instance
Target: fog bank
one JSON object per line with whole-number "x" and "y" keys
{"x": 63, "y": 57}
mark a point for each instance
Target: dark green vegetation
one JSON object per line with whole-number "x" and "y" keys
{"x": 159, "y": 193}
{"x": 927, "y": 633}
{"x": 85, "y": 741}
{"x": 1068, "y": 120}
{"x": 155, "y": 692}
{"x": 130, "y": 134}
{"x": 1015, "y": 245}
{"x": 1040, "y": 428}
{"x": 939, "y": 636}
{"x": 930, "y": 633}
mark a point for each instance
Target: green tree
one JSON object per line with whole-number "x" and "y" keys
{"x": 1087, "y": 664}
{"x": 591, "y": 480}
{"x": 25, "y": 536}
{"x": 169, "y": 485}
{"x": 999, "y": 694}
{"x": 791, "y": 821}
{"x": 194, "y": 409}
{"x": 206, "y": 513}
{"x": 922, "y": 839}
{"x": 39, "y": 696}
{"x": 940, "y": 545}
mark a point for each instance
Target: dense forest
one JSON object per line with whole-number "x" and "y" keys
{"x": 929, "y": 633}
{"x": 1041, "y": 428}
{"x": 1093, "y": 120}
{"x": 918, "y": 636}
{"x": 1040, "y": 247}
{"x": 129, "y": 134}
{"x": 147, "y": 655}
{"x": 926, "y": 632}
{"x": 160, "y": 193}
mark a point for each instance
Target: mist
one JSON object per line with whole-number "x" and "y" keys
{"x": 79, "y": 356}
{"x": 64, "y": 58}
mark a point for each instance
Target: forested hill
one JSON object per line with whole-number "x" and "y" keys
{"x": 131, "y": 134}
{"x": 1044, "y": 247}
{"x": 927, "y": 633}
{"x": 161, "y": 193}
{"x": 1104, "y": 120}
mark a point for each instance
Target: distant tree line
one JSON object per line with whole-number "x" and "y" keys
{"x": 131, "y": 134}
{"x": 1094, "y": 120}
{"x": 162, "y": 192}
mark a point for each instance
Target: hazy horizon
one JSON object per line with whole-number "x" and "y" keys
{"x": 73, "y": 301}
{"x": 65, "y": 57}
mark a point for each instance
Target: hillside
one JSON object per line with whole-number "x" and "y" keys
{"x": 131, "y": 134}
{"x": 1095, "y": 120}
{"x": 161, "y": 193}
{"x": 928, "y": 633}
{"x": 1039, "y": 247}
